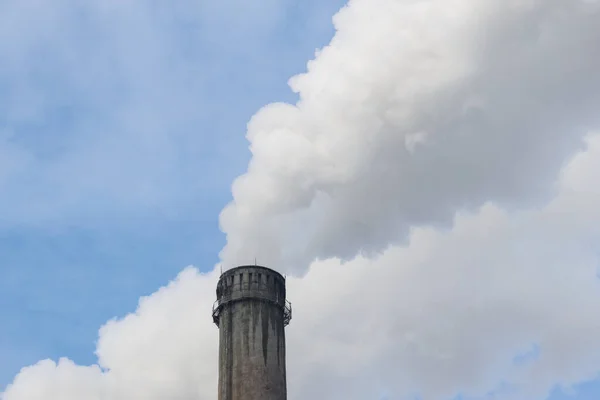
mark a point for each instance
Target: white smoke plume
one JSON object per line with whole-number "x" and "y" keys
{"x": 460, "y": 114}
{"x": 445, "y": 315}
{"x": 415, "y": 110}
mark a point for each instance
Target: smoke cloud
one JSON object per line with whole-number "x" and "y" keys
{"x": 434, "y": 192}
{"x": 504, "y": 304}
{"x": 414, "y": 111}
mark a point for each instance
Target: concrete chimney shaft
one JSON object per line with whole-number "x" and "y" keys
{"x": 251, "y": 312}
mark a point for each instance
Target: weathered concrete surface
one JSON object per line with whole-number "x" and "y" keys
{"x": 252, "y": 336}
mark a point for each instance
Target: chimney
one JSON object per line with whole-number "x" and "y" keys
{"x": 251, "y": 312}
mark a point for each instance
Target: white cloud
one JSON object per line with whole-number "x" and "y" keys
{"x": 145, "y": 355}
{"x": 450, "y": 312}
{"x": 446, "y": 314}
{"x": 503, "y": 91}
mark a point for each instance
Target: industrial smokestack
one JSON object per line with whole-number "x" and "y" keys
{"x": 251, "y": 312}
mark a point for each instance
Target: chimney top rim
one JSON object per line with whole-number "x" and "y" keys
{"x": 232, "y": 271}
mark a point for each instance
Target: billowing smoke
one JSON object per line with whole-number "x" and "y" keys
{"x": 446, "y": 148}
{"x": 414, "y": 111}
{"x": 502, "y": 306}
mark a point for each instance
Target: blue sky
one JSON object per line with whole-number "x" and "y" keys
{"x": 122, "y": 128}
